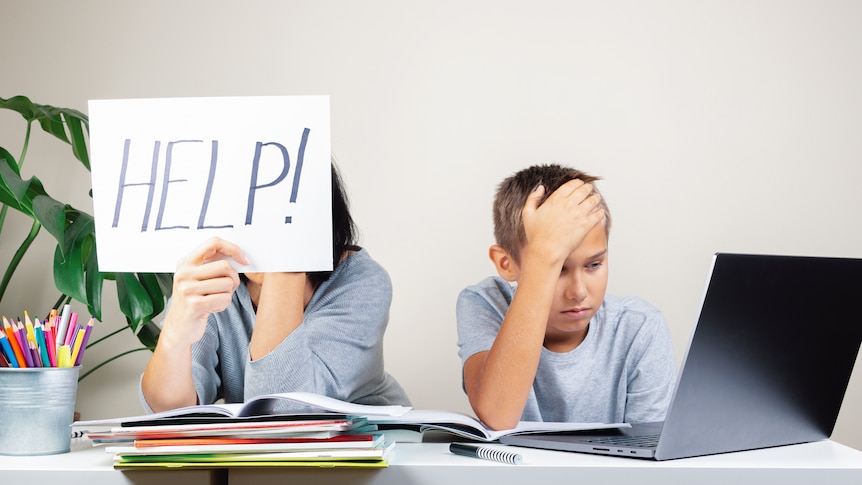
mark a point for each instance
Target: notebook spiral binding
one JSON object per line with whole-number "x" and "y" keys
{"x": 499, "y": 455}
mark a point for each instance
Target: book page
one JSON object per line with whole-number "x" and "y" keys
{"x": 227, "y": 410}
{"x": 470, "y": 427}
{"x": 262, "y": 406}
{"x": 266, "y": 405}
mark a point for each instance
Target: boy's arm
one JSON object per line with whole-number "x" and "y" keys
{"x": 498, "y": 381}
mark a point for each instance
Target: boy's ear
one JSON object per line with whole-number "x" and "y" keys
{"x": 506, "y": 266}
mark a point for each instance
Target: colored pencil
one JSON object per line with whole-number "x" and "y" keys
{"x": 7, "y": 349}
{"x": 40, "y": 341}
{"x": 88, "y": 328}
{"x": 30, "y": 334}
{"x": 34, "y": 353}
{"x": 22, "y": 343}
{"x": 49, "y": 341}
{"x": 76, "y": 347}
{"x": 13, "y": 342}
{"x": 71, "y": 330}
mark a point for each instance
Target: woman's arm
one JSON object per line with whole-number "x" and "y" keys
{"x": 337, "y": 349}
{"x": 203, "y": 284}
{"x": 280, "y": 310}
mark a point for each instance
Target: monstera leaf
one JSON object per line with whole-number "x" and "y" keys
{"x": 141, "y": 296}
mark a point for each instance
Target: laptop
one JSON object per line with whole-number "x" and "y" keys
{"x": 767, "y": 365}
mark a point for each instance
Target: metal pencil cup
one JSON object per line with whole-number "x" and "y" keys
{"x": 37, "y": 406}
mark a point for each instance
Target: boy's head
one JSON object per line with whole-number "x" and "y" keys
{"x": 582, "y": 281}
{"x": 512, "y": 195}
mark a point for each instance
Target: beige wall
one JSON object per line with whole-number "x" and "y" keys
{"x": 717, "y": 126}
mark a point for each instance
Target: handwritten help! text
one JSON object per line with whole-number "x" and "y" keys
{"x": 166, "y": 182}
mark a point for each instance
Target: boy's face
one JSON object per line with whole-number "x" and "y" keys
{"x": 579, "y": 292}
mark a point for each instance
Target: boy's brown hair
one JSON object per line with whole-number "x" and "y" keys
{"x": 512, "y": 194}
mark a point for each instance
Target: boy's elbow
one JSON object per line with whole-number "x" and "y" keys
{"x": 497, "y": 419}
{"x": 501, "y": 424}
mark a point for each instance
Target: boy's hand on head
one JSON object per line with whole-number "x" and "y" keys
{"x": 204, "y": 283}
{"x": 557, "y": 227}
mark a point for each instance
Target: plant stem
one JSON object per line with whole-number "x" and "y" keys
{"x": 3, "y": 212}
{"x": 8, "y": 275}
{"x": 19, "y": 254}
{"x": 110, "y": 360}
{"x": 26, "y": 144}
{"x": 115, "y": 332}
{"x": 60, "y": 303}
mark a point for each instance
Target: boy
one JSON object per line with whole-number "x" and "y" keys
{"x": 553, "y": 346}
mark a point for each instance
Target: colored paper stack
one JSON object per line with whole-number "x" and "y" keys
{"x": 270, "y": 441}
{"x": 265, "y": 431}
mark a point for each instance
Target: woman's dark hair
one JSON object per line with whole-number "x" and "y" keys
{"x": 344, "y": 233}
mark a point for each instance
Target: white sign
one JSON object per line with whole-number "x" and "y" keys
{"x": 170, "y": 173}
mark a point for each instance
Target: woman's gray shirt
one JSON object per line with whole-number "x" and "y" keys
{"x": 337, "y": 351}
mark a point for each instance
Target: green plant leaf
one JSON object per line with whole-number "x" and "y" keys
{"x": 20, "y": 104}
{"x": 9, "y": 160}
{"x": 69, "y": 275}
{"x": 9, "y": 166}
{"x": 135, "y": 302}
{"x": 49, "y": 118}
{"x": 75, "y": 267}
{"x": 166, "y": 282}
{"x": 54, "y": 121}
{"x": 149, "y": 335}
{"x": 52, "y": 215}
{"x": 21, "y": 191}
{"x": 94, "y": 281}
{"x": 77, "y": 138}
{"x": 154, "y": 290}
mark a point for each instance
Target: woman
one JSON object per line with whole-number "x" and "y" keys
{"x": 235, "y": 336}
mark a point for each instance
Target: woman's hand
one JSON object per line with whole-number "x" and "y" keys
{"x": 204, "y": 283}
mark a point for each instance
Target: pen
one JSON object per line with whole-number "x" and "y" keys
{"x": 485, "y": 453}
{"x": 64, "y": 324}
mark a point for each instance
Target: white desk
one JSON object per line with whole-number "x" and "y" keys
{"x": 89, "y": 465}
{"x": 824, "y": 462}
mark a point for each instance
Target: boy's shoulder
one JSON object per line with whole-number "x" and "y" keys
{"x": 628, "y": 303}
{"x": 491, "y": 288}
{"x": 631, "y": 309}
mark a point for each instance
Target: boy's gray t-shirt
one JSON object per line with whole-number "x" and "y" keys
{"x": 623, "y": 371}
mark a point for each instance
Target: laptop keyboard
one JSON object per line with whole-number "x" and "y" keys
{"x": 645, "y": 441}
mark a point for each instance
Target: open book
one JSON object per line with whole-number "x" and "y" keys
{"x": 262, "y": 406}
{"x": 384, "y": 417}
{"x": 469, "y": 427}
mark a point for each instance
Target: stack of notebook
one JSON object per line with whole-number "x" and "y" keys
{"x": 335, "y": 434}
